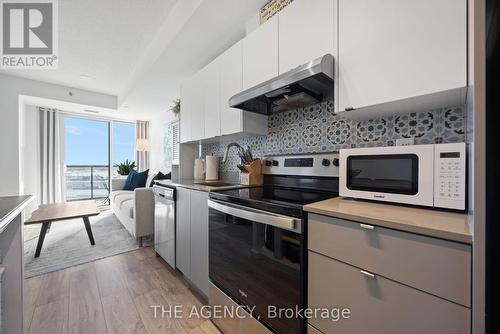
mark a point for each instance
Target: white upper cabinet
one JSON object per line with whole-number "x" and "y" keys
{"x": 187, "y": 93}
{"x": 260, "y": 54}
{"x": 197, "y": 105}
{"x": 397, "y": 49}
{"x": 211, "y": 91}
{"x": 205, "y": 111}
{"x": 307, "y": 30}
{"x": 231, "y": 83}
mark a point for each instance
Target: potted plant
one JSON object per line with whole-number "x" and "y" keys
{"x": 126, "y": 167}
{"x": 176, "y": 107}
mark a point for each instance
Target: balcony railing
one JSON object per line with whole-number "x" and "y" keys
{"x": 87, "y": 182}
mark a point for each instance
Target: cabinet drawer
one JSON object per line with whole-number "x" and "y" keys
{"x": 440, "y": 267}
{"x": 312, "y": 330}
{"x": 241, "y": 323}
{"x": 249, "y": 325}
{"x": 378, "y": 305}
{"x": 217, "y": 298}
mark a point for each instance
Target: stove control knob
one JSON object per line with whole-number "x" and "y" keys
{"x": 336, "y": 162}
{"x": 325, "y": 162}
{"x": 275, "y": 163}
{"x": 268, "y": 163}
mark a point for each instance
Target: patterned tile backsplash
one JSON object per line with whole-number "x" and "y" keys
{"x": 317, "y": 129}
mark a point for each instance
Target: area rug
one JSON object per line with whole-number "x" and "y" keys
{"x": 67, "y": 244}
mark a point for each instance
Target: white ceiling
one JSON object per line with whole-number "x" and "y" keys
{"x": 103, "y": 40}
{"x": 213, "y": 27}
{"x": 141, "y": 50}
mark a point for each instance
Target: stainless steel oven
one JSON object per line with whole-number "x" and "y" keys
{"x": 257, "y": 242}
{"x": 258, "y": 258}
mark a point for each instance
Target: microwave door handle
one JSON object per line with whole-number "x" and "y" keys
{"x": 258, "y": 216}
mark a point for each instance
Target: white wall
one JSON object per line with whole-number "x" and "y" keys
{"x": 30, "y": 150}
{"x": 252, "y": 24}
{"x": 10, "y": 120}
{"x": 157, "y": 128}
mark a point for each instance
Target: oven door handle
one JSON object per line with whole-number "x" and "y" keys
{"x": 258, "y": 216}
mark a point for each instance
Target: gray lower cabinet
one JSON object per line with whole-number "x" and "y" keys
{"x": 183, "y": 231}
{"x": 391, "y": 281}
{"x": 11, "y": 287}
{"x": 428, "y": 264}
{"x": 192, "y": 236}
{"x": 199, "y": 240}
{"x": 378, "y": 305}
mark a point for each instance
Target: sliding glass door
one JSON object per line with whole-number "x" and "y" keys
{"x": 93, "y": 151}
{"x": 86, "y": 159}
{"x": 123, "y": 144}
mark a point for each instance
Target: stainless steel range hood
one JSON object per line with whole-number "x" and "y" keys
{"x": 301, "y": 87}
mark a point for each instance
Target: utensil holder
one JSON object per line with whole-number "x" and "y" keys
{"x": 253, "y": 176}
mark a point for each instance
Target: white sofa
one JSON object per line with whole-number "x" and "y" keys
{"x": 134, "y": 209}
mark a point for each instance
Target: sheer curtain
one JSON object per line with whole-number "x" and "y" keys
{"x": 51, "y": 177}
{"x": 142, "y": 147}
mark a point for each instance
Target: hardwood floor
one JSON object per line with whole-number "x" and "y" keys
{"x": 112, "y": 295}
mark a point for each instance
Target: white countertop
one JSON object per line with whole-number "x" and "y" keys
{"x": 447, "y": 225}
{"x": 11, "y": 207}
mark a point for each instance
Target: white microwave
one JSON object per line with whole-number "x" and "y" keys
{"x": 426, "y": 175}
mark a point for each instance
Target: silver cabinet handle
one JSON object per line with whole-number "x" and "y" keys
{"x": 367, "y": 273}
{"x": 367, "y": 227}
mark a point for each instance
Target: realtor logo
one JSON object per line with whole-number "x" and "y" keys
{"x": 29, "y": 39}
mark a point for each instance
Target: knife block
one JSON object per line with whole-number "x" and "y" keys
{"x": 253, "y": 176}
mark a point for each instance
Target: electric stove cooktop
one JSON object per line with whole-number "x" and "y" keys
{"x": 290, "y": 182}
{"x": 278, "y": 199}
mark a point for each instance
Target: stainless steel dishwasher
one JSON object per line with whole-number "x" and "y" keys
{"x": 165, "y": 223}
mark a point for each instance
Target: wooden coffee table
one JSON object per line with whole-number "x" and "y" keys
{"x": 48, "y": 213}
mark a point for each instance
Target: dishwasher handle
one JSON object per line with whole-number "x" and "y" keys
{"x": 166, "y": 193}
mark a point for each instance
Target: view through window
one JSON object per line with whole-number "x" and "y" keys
{"x": 88, "y": 156}
{"x": 123, "y": 144}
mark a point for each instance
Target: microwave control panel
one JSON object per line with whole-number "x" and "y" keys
{"x": 450, "y": 176}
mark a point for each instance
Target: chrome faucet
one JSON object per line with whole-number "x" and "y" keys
{"x": 241, "y": 151}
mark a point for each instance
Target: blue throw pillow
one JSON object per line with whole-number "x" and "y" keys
{"x": 128, "y": 183}
{"x": 138, "y": 180}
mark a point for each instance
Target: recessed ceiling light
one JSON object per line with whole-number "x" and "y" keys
{"x": 84, "y": 76}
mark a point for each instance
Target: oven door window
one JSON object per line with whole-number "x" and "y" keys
{"x": 391, "y": 173}
{"x": 257, "y": 265}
